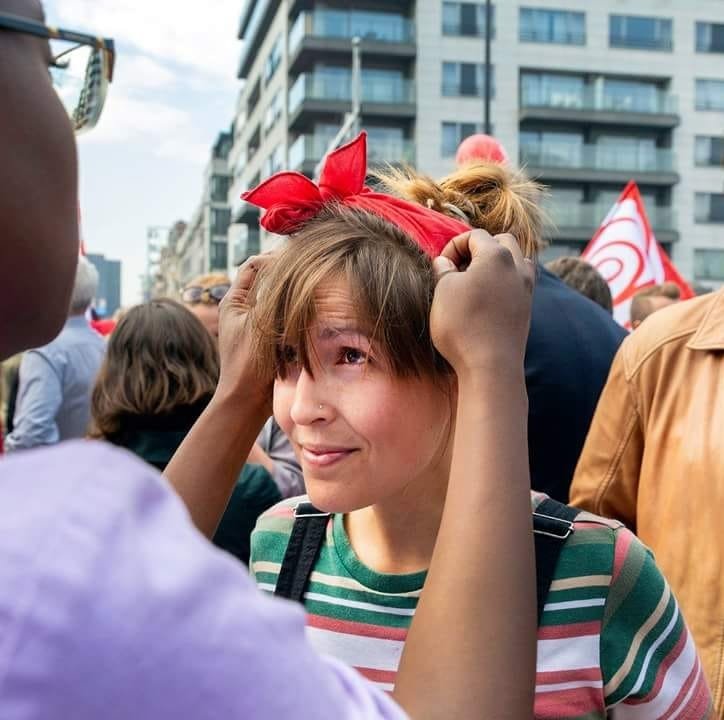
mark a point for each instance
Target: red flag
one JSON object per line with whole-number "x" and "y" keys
{"x": 624, "y": 250}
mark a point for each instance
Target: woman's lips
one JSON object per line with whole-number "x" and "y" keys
{"x": 324, "y": 457}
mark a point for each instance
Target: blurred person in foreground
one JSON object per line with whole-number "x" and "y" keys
{"x": 55, "y": 381}
{"x": 652, "y": 299}
{"x": 272, "y": 449}
{"x": 570, "y": 348}
{"x": 653, "y": 459}
{"x": 159, "y": 373}
{"x": 146, "y": 619}
{"x": 583, "y": 277}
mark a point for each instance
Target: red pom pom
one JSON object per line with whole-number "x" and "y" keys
{"x": 480, "y": 147}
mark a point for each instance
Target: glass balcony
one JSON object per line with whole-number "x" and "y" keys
{"x": 625, "y": 158}
{"x": 336, "y": 85}
{"x": 570, "y": 93}
{"x": 311, "y": 149}
{"x": 591, "y": 215}
{"x": 346, "y": 24}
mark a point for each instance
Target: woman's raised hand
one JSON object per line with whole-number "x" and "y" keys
{"x": 239, "y": 375}
{"x": 480, "y": 313}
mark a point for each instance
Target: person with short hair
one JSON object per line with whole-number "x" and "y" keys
{"x": 56, "y": 380}
{"x": 384, "y": 415}
{"x": 652, "y": 299}
{"x": 202, "y": 296}
{"x": 583, "y": 277}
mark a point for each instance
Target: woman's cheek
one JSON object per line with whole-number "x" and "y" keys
{"x": 282, "y": 404}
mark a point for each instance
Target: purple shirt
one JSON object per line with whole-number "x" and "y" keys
{"x": 112, "y": 605}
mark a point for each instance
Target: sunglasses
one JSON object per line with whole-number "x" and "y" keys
{"x": 81, "y": 67}
{"x": 196, "y": 294}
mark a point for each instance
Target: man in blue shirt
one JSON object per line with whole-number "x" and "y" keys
{"x": 56, "y": 380}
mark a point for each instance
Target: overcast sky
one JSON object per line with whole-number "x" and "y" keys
{"x": 174, "y": 89}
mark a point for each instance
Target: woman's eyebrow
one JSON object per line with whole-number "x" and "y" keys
{"x": 329, "y": 332}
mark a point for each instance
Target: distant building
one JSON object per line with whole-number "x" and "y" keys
{"x": 585, "y": 95}
{"x": 202, "y": 247}
{"x": 108, "y": 298}
{"x": 167, "y": 280}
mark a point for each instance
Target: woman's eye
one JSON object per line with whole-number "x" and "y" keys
{"x": 352, "y": 356}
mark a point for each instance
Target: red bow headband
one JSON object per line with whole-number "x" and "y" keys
{"x": 291, "y": 199}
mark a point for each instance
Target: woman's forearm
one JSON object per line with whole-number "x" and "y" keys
{"x": 481, "y": 583}
{"x": 208, "y": 462}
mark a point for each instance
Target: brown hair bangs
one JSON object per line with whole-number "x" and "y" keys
{"x": 390, "y": 279}
{"x": 159, "y": 358}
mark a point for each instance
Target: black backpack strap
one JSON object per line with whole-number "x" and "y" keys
{"x": 552, "y": 525}
{"x": 305, "y": 543}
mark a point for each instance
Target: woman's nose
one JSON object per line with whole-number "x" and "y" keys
{"x": 310, "y": 403}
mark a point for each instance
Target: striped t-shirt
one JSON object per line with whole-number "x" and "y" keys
{"x": 611, "y": 634}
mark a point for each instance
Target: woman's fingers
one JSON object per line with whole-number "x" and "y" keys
{"x": 243, "y": 289}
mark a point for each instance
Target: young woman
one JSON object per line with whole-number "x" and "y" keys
{"x": 370, "y": 406}
{"x": 399, "y": 379}
{"x": 159, "y": 372}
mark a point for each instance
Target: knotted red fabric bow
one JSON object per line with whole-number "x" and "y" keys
{"x": 291, "y": 199}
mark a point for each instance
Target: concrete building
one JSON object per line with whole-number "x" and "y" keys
{"x": 202, "y": 247}
{"x": 585, "y": 95}
{"x": 108, "y": 297}
{"x": 167, "y": 280}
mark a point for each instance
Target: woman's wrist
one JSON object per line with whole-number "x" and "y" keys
{"x": 237, "y": 400}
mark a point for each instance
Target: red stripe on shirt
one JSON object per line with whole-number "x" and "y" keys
{"x": 575, "y": 703}
{"x": 563, "y": 632}
{"x": 348, "y": 627}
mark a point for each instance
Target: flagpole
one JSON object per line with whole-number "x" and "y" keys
{"x": 488, "y": 38}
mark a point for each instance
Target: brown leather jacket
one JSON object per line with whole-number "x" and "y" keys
{"x": 654, "y": 459}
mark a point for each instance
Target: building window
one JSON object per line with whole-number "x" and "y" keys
{"x": 552, "y": 26}
{"x": 220, "y": 187}
{"x": 454, "y": 133}
{"x": 273, "y": 111}
{"x": 709, "y": 207}
{"x": 643, "y": 33}
{"x": 709, "y": 151}
{"x": 631, "y": 96}
{"x": 465, "y": 79}
{"x": 709, "y": 265}
{"x": 220, "y": 219}
{"x": 466, "y": 18}
{"x": 218, "y": 255}
{"x": 710, "y": 94}
{"x": 367, "y": 24}
{"x": 275, "y": 162}
{"x": 551, "y": 149}
{"x": 548, "y": 90}
{"x": 709, "y": 37}
{"x": 273, "y": 59}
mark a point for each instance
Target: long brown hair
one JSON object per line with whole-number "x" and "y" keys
{"x": 390, "y": 278}
{"x": 159, "y": 358}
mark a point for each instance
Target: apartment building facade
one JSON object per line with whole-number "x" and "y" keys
{"x": 203, "y": 245}
{"x": 585, "y": 96}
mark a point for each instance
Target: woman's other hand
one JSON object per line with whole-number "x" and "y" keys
{"x": 239, "y": 375}
{"x": 480, "y": 313}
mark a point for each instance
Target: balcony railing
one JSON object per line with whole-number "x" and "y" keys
{"x": 640, "y": 43}
{"x": 591, "y": 215}
{"x": 337, "y": 86}
{"x": 593, "y": 98}
{"x": 346, "y": 24}
{"x": 311, "y": 149}
{"x": 597, "y": 157}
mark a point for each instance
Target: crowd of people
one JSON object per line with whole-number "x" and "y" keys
{"x": 380, "y": 426}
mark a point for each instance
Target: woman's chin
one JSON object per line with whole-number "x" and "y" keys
{"x": 332, "y": 501}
